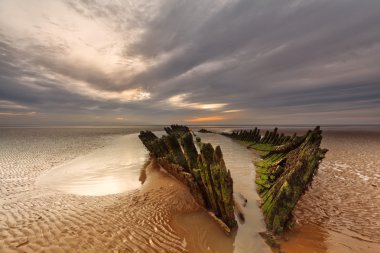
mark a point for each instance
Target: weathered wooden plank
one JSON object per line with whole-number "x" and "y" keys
{"x": 205, "y": 174}
{"x": 285, "y": 171}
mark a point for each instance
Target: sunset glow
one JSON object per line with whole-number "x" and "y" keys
{"x": 181, "y": 101}
{"x": 119, "y": 116}
{"x": 206, "y": 119}
{"x": 158, "y": 62}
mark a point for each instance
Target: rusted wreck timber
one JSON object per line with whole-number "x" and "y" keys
{"x": 204, "y": 173}
{"x": 285, "y": 171}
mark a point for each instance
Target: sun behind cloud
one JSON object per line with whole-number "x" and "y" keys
{"x": 205, "y": 119}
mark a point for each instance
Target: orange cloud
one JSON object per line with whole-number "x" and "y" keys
{"x": 202, "y": 119}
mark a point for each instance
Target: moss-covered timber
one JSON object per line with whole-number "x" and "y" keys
{"x": 205, "y": 173}
{"x": 285, "y": 171}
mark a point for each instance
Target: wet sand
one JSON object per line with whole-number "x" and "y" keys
{"x": 340, "y": 212}
{"x": 108, "y": 170}
{"x": 35, "y": 218}
{"x": 239, "y": 161}
{"x": 343, "y": 206}
{"x": 50, "y": 199}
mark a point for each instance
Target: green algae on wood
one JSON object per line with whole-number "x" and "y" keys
{"x": 285, "y": 171}
{"x": 205, "y": 174}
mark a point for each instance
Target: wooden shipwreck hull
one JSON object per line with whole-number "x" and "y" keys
{"x": 204, "y": 173}
{"x": 285, "y": 171}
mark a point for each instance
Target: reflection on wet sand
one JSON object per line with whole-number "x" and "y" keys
{"x": 35, "y": 219}
{"x": 202, "y": 234}
{"x": 108, "y": 170}
{"x": 345, "y": 198}
{"x": 338, "y": 214}
{"x": 309, "y": 238}
{"x": 314, "y": 238}
{"x": 239, "y": 161}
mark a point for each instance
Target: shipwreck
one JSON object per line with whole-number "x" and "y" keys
{"x": 204, "y": 173}
{"x": 283, "y": 174}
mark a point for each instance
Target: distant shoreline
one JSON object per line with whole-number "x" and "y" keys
{"x": 201, "y": 125}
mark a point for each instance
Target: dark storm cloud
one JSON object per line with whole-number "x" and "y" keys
{"x": 270, "y": 58}
{"x": 255, "y": 28}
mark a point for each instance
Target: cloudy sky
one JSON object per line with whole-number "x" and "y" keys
{"x": 193, "y": 62}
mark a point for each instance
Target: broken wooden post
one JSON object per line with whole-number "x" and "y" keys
{"x": 205, "y": 174}
{"x": 285, "y": 172}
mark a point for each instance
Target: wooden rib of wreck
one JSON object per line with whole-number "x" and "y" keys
{"x": 205, "y": 174}
{"x": 203, "y": 130}
{"x": 285, "y": 171}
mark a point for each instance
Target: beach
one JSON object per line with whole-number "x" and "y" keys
{"x": 340, "y": 212}
{"x": 35, "y": 218}
{"x": 94, "y": 190}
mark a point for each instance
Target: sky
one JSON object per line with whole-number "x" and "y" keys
{"x": 85, "y": 62}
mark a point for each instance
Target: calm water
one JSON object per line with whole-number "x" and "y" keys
{"x": 116, "y": 168}
{"x": 239, "y": 161}
{"x": 108, "y": 170}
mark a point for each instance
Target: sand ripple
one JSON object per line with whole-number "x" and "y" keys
{"x": 134, "y": 222}
{"x": 346, "y": 192}
{"x": 35, "y": 219}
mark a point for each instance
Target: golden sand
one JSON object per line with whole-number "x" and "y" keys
{"x": 38, "y": 219}
{"x": 338, "y": 214}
